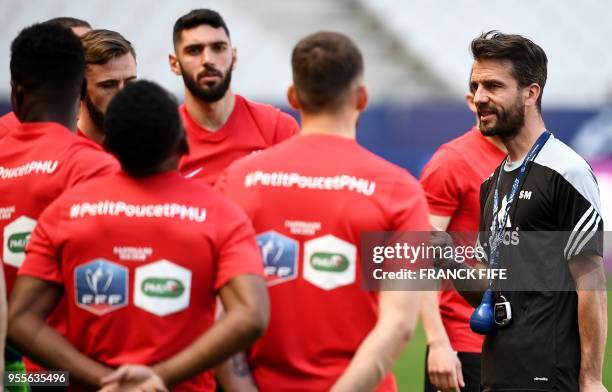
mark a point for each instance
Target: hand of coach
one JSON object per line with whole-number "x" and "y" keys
{"x": 587, "y": 271}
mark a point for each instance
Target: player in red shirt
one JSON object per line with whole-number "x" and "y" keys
{"x": 141, "y": 256}
{"x": 110, "y": 64}
{"x": 221, "y": 126}
{"x": 42, "y": 157}
{"x": 451, "y": 181}
{"x": 310, "y": 199}
{"x": 78, "y": 27}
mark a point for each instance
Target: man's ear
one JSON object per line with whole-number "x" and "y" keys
{"x": 16, "y": 99}
{"x": 175, "y": 65}
{"x": 531, "y": 94}
{"x": 469, "y": 99}
{"x": 362, "y": 97}
{"x": 234, "y": 58}
{"x": 292, "y": 97}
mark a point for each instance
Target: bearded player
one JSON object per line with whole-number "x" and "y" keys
{"x": 221, "y": 126}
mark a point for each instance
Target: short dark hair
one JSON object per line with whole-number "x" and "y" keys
{"x": 142, "y": 127}
{"x": 47, "y": 56}
{"x": 101, "y": 46}
{"x": 70, "y": 22}
{"x": 325, "y": 65}
{"x": 195, "y": 18}
{"x": 529, "y": 61}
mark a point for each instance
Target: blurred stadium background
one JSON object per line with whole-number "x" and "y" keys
{"x": 417, "y": 69}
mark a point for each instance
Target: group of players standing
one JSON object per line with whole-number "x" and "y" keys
{"x": 130, "y": 245}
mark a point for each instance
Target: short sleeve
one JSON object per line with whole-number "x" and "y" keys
{"x": 89, "y": 162}
{"x": 286, "y": 126}
{"x": 409, "y": 207}
{"x": 42, "y": 260}
{"x": 441, "y": 182}
{"x": 578, "y": 203}
{"x": 238, "y": 251}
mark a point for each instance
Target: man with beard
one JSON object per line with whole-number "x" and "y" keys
{"x": 78, "y": 27}
{"x": 221, "y": 126}
{"x": 451, "y": 180}
{"x": 111, "y": 64}
{"x": 540, "y": 219}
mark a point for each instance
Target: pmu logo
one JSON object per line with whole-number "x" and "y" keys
{"x": 279, "y": 254}
{"x": 18, "y": 241}
{"x": 331, "y": 262}
{"x": 101, "y": 286}
{"x": 163, "y": 288}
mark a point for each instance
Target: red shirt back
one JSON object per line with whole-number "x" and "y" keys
{"x": 452, "y": 181}
{"x": 310, "y": 198}
{"x": 8, "y": 122}
{"x": 141, "y": 261}
{"x": 39, "y": 161}
{"x": 251, "y": 127}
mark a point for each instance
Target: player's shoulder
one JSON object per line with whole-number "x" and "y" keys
{"x": 453, "y": 151}
{"x": 263, "y": 112}
{"x": 8, "y": 122}
{"x": 381, "y": 170}
{"x": 257, "y": 160}
{"x": 79, "y": 149}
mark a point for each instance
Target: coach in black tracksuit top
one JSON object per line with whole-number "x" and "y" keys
{"x": 552, "y": 223}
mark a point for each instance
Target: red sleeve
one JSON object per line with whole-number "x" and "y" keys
{"x": 409, "y": 207}
{"x": 238, "y": 250}
{"x": 441, "y": 181}
{"x": 286, "y": 126}
{"x": 89, "y": 162}
{"x": 42, "y": 258}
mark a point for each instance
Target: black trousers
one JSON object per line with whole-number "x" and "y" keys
{"x": 470, "y": 364}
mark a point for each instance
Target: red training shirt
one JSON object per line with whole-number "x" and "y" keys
{"x": 8, "y": 122}
{"x": 251, "y": 127}
{"x": 39, "y": 161}
{"x": 141, "y": 261}
{"x": 452, "y": 181}
{"x": 310, "y": 198}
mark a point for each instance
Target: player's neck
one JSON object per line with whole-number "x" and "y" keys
{"x": 210, "y": 115}
{"x": 89, "y": 129}
{"x": 343, "y": 125}
{"x": 519, "y": 146}
{"x": 49, "y": 113}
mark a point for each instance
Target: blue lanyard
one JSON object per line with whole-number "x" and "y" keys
{"x": 498, "y": 234}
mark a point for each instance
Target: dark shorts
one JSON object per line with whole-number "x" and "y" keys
{"x": 470, "y": 364}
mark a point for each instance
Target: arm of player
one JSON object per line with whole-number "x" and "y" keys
{"x": 235, "y": 375}
{"x": 443, "y": 365}
{"x": 588, "y": 273}
{"x": 245, "y": 300}
{"x": 374, "y": 359}
{"x": 3, "y": 321}
{"x": 32, "y": 300}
